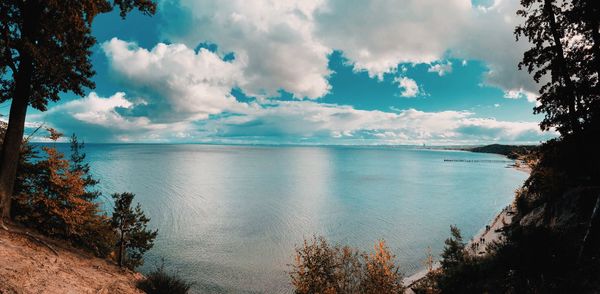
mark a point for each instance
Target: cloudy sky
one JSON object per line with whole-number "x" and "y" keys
{"x": 306, "y": 72}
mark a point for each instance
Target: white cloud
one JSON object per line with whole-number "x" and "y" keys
{"x": 175, "y": 82}
{"x": 408, "y": 86}
{"x": 274, "y": 40}
{"x": 520, "y": 93}
{"x": 378, "y": 35}
{"x": 284, "y": 44}
{"x": 441, "y": 68}
{"x": 99, "y": 119}
{"x": 330, "y": 123}
{"x": 178, "y": 93}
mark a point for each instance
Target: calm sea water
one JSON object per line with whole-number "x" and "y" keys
{"x": 230, "y": 216}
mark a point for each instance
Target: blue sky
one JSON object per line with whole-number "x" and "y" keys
{"x": 317, "y": 72}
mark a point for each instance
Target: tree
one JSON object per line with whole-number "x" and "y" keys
{"x": 545, "y": 27}
{"x": 566, "y": 50}
{"x": 454, "y": 251}
{"x": 585, "y": 17}
{"x": 44, "y": 51}
{"x": 134, "y": 238}
{"x": 79, "y": 165}
{"x": 49, "y": 197}
{"x": 382, "y": 275}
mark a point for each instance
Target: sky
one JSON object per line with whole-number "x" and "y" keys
{"x": 306, "y": 72}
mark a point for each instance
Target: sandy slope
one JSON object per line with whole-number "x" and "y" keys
{"x": 27, "y": 266}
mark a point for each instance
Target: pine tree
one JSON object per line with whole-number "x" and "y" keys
{"x": 133, "y": 236}
{"x": 454, "y": 251}
{"x": 78, "y": 165}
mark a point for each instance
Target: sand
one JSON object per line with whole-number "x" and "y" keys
{"x": 28, "y": 266}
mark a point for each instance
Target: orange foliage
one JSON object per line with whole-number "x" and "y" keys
{"x": 321, "y": 268}
{"x": 51, "y": 199}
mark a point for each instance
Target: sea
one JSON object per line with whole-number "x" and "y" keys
{"x": 229, "y": 217}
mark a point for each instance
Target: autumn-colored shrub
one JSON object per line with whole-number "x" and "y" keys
{"x": 322, "y": 268}
{"x": 50, "y": 202}
{"x": 381, "y": 275}
{"x": 55, "y": 196}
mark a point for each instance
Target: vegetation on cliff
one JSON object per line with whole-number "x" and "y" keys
{"x": 510, "y": 151}
{"x": 553, "y": 243}
{"x": 54, "y": 195}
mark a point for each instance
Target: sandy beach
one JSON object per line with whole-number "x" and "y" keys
{"x": 477, "y": 245}
{"x": 487, "y": 235}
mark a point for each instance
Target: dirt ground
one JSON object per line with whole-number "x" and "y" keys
{"x": 29, "y": 266}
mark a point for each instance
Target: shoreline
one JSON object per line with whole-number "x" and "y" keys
{"x": 486, "y": 235}
{"x": 489, "y": 234}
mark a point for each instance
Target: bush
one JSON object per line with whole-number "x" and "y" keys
{"x": 161, "y": 282}
{"x": 322, "y": 268}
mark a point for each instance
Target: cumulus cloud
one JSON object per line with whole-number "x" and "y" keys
{"x": 285, "y": 44}
{"x": 274, "y": 40}
{"x": 175, "y": 82}
{"x": 378, "y": 35}
{"x": 176, "y": 92}
{"x": 102, "y": 119}
{"x": 408, "y": 86}
{"x": 99, "y": 119}
{"x": 330, "y": 123}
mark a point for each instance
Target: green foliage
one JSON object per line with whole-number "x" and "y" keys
{"x": 322, "y": 268}
{"x": 79, "y": 165}
{"x": 457, "y": 266}
{"x": 565, "y": 56}
{"x": 454, "y": 251}
{"x": 133, "y": 236}
{"x": 510, "y": 151}
{"x": 161, "y": 282}
{"x": 427, "y": 285}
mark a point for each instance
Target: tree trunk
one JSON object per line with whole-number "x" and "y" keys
{"x": 13, "y": 138}
{"x": 11, "y": 146}
{"x": 562, "y": 66}
{"x": 121, "y": 244}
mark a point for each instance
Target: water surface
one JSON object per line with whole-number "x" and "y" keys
{"x": 230, "y": 216}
